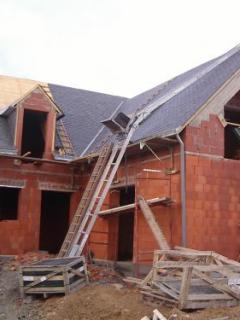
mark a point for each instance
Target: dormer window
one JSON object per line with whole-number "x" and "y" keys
{"x": 34, "y": 133}
{"x": 232, "y": 125}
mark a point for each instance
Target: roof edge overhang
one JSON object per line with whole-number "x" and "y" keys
{"x": 164, "y": 140}
{"x": 236, "y": 74}
{"x": 5, "y": 111}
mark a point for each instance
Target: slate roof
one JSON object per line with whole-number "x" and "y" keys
{"x": 171, "y": 116}
{"x": 6, "y": 139}
{"x": 84, "y": 110}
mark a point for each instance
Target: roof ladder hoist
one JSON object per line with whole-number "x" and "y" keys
{"x": 94, "y": 196}
{"x": 102, "y": 177}
{"x": 95, "y": 193}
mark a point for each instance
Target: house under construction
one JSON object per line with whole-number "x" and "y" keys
{"x": 183, "y": 159}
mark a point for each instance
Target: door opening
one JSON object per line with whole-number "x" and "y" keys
{"x": 54, "y": 220}
{"x": 126, "y": 226}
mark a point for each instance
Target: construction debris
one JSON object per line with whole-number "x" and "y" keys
{"x": 28, "y": 258}
{"x": 191, "y": 279}
{"x": 156, "y": 316}
{"x": 53, "y": 276}
{"x": 103, "y": 275}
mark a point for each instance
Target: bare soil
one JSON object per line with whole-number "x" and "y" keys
{"x": 113, "y": 303}
{"x": 105, "y": 298}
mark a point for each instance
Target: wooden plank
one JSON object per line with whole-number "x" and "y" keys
{"x": 221, "y": 287}
{"x": 34, "y": 278}
{"x": 195, "y": 281}
{"x": 21, "y": 284}
{"x": 176, "y": 264}
{"x": 190, "y": 250}
{"x": 225, "y": 259}
{"x": 133, "y": 280}
{"x": 208, "y": 297}
{"x": 85, "y": 271}
{"x": 154, "y": 226}
{"x": 157, "y": 315}
{"x": 166, "y": 290}
{"x": 186, "y": 254}
{"x": 211, "y": 304}
{"x": 66, "y": 282}
{"x": 131, "y": 206}
{"x": 170, "y": 286}
{"x": 45, "y": 290}
{"x": 157, "y": 295}
{"x": 228, "y": 270}
{"x": 148, "y": 277}
{"x": 36, "y": 282}
{"x": 77, "y": 273}
{"x": 76, "y": 284}
{"x": 185, "y": 285}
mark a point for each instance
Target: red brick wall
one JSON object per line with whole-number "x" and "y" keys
{"x": 213, "y": 183}
{"x": 104, "y": 238}
{"x": 22, "y": 235}
{"x": 213, "y": 201}
{"x": 212, "y": 196}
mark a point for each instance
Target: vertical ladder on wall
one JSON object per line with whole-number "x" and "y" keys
{"x": 64, "y": 138}
{"x": 154, "y": 226}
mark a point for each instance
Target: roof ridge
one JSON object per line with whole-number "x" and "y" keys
{"x": 182, "y": 86}
{"x": 86, "y": 90}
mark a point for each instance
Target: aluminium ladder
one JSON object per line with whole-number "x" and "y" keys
{"x": 92, "y": 202}
{"x": 87, "y": 195}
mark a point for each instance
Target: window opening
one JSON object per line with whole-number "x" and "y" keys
{"x": 231, "y": 130}
{"x": 9, "y": 203}
{"x": 33, "y": 134}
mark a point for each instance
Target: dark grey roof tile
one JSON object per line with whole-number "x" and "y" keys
{"x": 6, "y": 140}
{"x": 84, "y": 110}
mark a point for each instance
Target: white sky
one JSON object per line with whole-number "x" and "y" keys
{"x": 121, "y": 47}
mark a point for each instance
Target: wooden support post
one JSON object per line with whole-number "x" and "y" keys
{"x": 66, "y": 282}
{"x": 185, "y": 285}
{"x": 21, "y": 283}
{"x": 85, "y": 271}
{"x": 156, "y": 230}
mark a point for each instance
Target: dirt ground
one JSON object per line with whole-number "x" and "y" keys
{"x": 114, "y": 303}
{"x": 107, "y": 297}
